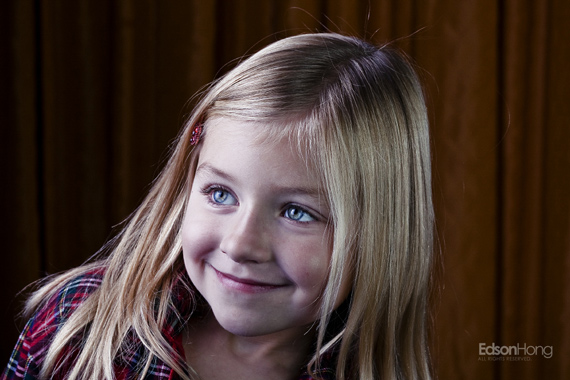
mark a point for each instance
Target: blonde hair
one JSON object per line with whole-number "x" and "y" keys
{"x": 357, "y": 113}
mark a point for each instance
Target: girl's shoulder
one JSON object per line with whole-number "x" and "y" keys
{"x": 68, "y": 296}
{"x": 49, "y": 316}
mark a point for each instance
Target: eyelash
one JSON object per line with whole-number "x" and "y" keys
{"x": 210, "y": 189}
{"x": 303, "y": 210}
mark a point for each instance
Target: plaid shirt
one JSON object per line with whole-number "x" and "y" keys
{"x": 30, "y": 351}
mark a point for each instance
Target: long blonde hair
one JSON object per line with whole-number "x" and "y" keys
{"x": 358, "y": 112}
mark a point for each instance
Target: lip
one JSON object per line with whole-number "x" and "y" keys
{"x": 244, "y": 284}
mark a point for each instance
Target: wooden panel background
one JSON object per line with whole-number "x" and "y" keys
{"x": 93, "y": 92}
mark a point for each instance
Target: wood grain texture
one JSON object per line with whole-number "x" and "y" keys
{"x": 93, "y": 93}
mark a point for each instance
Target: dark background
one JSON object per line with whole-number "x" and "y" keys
{"x": 93, "y": 92}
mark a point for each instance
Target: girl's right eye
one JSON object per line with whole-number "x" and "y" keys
{"x": 221, "y": 196}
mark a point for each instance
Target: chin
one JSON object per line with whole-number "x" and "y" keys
{"x": 246, "y": 328}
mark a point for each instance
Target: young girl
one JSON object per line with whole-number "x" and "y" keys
{"x": 288, "y": 237}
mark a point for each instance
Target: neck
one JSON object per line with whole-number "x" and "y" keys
{"x": 216, "y": 353}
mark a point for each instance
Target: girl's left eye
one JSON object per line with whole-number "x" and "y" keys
{"x": 297, "y": 214}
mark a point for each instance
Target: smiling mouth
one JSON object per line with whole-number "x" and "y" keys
{"x": 244, "y": 285}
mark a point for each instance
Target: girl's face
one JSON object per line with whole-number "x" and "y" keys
{"x": 255, "y": 236}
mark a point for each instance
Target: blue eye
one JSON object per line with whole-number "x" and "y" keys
{"x": 298, "y": 214}
{"x": 222, "y": 197}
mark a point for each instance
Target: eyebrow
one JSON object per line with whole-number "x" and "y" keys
{"x": 209, "y": 169}
{"x": 312, "y": 192}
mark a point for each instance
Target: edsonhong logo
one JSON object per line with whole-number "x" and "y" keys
{"x": 518, "y": 352}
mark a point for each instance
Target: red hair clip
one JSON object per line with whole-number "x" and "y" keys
{"x": 196, "y": 134}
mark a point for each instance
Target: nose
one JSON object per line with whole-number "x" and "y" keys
{"x": 247, "y": 238}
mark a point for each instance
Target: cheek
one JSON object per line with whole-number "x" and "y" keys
{"x": 190, "y": 244}
{"x": 197, "y": 236}
{"x": 308, "y": 264}
{"x": 311, "y": 267}
{"x": 197, "y": 245}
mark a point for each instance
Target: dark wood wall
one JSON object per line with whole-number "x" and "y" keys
{"x": 93, "y": 92}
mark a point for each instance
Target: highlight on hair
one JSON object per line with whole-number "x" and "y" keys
{"x": 357, "y": 113}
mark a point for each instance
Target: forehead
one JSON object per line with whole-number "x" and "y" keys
{"x": 276, "y": 137}
{"x": 238, "y": 144}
